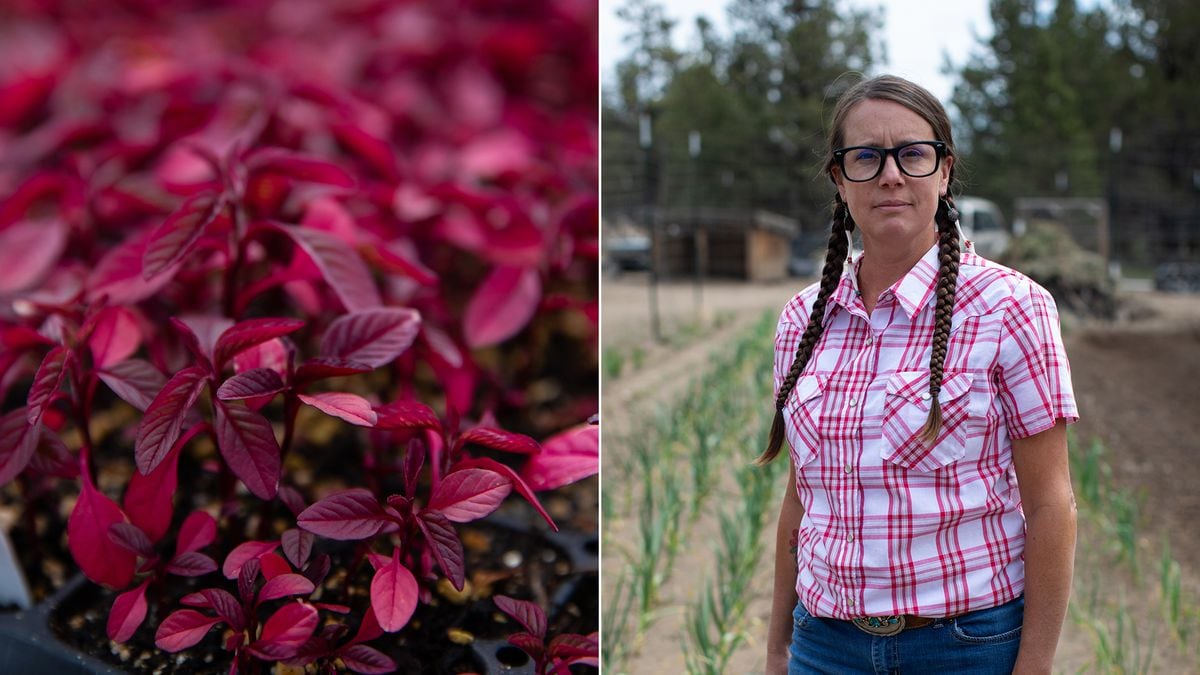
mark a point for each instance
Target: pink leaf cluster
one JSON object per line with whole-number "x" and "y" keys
{"x": 233, "y": 226}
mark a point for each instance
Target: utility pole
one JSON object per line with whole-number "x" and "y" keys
{"x": 699, "y": 232}
{"x": 650, "y": 200}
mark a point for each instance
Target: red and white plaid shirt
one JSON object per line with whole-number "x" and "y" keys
{"x": 891, "y": 525}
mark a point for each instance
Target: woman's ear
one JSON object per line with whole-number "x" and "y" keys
{"x": 944, "y": 183}
{"x": 835, "y": 175}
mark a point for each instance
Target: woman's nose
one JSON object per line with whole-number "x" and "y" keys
{"x": 891, "y": 170}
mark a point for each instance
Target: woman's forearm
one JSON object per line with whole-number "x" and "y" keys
{"x": 1049, "y": 560}
{"x": 783, "y": 601}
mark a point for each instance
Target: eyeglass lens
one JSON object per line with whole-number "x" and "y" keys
{"x": 915, "y": 159}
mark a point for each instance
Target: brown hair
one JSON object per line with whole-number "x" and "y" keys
{"x": 920, "y": 101}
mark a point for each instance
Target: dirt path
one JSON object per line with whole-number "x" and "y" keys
{"x": 1137, "y": 384}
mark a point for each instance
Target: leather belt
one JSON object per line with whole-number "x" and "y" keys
{"x": 885, "y": 626}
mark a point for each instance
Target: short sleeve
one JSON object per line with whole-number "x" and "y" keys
{"x": 792, "y": 322}
{"x": 1034, "y": 376}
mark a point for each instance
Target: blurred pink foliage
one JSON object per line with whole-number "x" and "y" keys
{"x": 196, "y": 196}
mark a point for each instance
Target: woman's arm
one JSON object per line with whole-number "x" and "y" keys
{"x": 1044, "y": 478}
{"x": 779, "y": 634}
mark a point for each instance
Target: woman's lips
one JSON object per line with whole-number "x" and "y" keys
{"x": 892, "y": 205}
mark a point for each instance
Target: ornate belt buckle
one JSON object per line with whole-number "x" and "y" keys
{"x": 882, "y": 626}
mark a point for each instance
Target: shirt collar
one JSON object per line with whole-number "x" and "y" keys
{"x": 912, "y": 291}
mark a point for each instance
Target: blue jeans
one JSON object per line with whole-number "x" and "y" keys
{"x": 978, "y": 643}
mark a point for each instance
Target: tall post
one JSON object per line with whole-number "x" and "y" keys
{"x": 650, "y": 199}
{"x": 699, "y": 232}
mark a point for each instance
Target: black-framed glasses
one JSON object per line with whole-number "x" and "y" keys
{"x": 861, "y": 163}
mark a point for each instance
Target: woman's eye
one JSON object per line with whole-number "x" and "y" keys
{"x": 866, "y": 156}
{"x": 914, "y": 152}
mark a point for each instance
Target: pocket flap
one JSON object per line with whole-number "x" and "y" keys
{"x": 913, "y": 385}
{"x": 807, "y": 388}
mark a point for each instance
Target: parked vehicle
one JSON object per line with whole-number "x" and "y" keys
{"x": 983, "y": 224}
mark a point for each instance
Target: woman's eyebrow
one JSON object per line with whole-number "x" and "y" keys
{"x": 874, "y": 143}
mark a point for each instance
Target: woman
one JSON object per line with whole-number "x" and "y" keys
{"x": 929, "y": 523}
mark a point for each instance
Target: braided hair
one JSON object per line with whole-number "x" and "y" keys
{"x": 925, "y": 104}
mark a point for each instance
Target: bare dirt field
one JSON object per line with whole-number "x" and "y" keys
{"x": 1137, "y": 383}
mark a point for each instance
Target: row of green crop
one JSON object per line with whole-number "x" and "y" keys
{"x": 666, "y": 472}
{"x": 1112, "y": 527}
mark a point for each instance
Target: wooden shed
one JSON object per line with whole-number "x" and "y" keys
{"x": 734, "y": 243}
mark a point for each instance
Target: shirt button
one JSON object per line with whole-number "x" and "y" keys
{"x": 850, "y": 537}
{"x": 870, "y": 339}
{"x": 853, "y": 402}
{"x": 850, "y": 602}
{"x": 924, "y": 396}
{"x": 848, "y": 469}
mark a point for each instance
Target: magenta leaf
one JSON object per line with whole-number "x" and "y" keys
{"x": 369, "y": 628}
{"x": 183, "y": 629}
{"x": 351, "y": 408}
{"x": 118, "y": 275}
{"x": 46, "y": 383}
{"x": 198, "y": 530}
{"x": 414, "y": 459}
{"x": 566, "y": 457}
{"x": 575, "y": 648}
{"x": 220, "y": 601}
{"x": 173, "y": 240}
{"x": 191, "y": 564}
{"x": 498, "y": 439}
{"x": 273, "y": 565}
{"x": 518, "y": 484}
{"x": 164, "y": 418}
{"x": 52, "y": 457}
{"x": 246, "y": 576}
{"x": 375, "y": 151}
{"x": 251, "y": 384}
{"x": 469, "y": 494}
{"x": 284, "y": 585}
{"x": 393, "y": 595}
{"x": 299, "y": 167}
{"x": 323, "y": 367}
{"x": 285, "y": 632}
{"x": 127, "y": 613}
{"x": 200, "y": 333}
{"x": 526, "y": 613}
{"x": 248, "y": 445}
{"x": 18, "y": 442}
{"x": 131, "y": 538}
{"x": 318, "y": 568}
{"x": 407, "y": 414}
{"x": 297, "y": 546}
{"x": 250, "y": 333}
{"x": 243, "y": 553}
{"x": 530, "y": 644}
{"x": 366, "y": 660}
{"x": 292, "y": 499}
{"x": 135, "y": 381}
{"x": 115, "y": 337}
{"x": 29, "y": 251}
{"x": 271, "y": 354}
{"x": 447, "y": 547}
{"x": 502, "y": 305}
{"x": 87, "y": 536}
{"x": 374, "y": 337}
{"x": 346, "y": 515}
{"x": 339, "y": 264}
{"x": 393, "y": 257}
{"x": 148, "y": 499}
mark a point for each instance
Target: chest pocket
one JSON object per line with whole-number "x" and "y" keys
{"x": 906, "y": 409}
{"x": 801, "y": 414}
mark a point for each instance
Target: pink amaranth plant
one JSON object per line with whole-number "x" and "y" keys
{"x": 279, "y": 275}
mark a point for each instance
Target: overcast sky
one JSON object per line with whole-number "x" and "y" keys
{"x": 916, "y": 34}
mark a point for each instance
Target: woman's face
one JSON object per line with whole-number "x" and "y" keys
{"x": 893, "y": 209}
